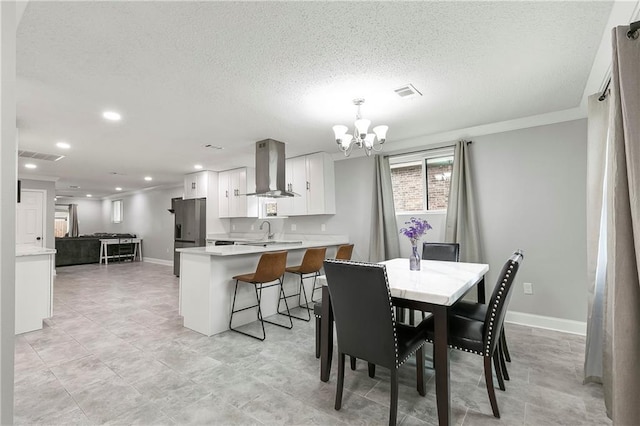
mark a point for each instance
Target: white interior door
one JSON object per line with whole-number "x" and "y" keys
{"x": 29, "y": 218}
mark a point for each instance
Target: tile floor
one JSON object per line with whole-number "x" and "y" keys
{"x": 115, "y": 352}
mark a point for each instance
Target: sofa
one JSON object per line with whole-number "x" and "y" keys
{"x": 86, "y": 248}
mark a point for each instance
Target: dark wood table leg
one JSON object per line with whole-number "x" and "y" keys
{"x": 326, "y": 336}
{"x": 441, "y": 363}
{"x": 481, "y": 293}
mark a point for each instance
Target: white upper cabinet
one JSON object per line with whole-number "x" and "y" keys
{"x": 233, "y": 187}
{"x": 196, "y": 185}
{"x": 312, "y": 177}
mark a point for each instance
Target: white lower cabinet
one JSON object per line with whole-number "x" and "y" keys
{"x": 34, "y": 290}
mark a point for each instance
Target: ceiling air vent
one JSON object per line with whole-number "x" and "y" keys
{"x": 212, "y": 146}
{"x": 407, "y": 91}
{"x": 39, "y": 156}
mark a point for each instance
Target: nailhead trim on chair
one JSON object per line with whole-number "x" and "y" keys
{"x": 494, "y": 308}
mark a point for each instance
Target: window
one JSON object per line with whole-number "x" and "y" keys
{"x": 421, "y": 181}
{"x": 61, "y": 223}
{"x": 116, "y": 211}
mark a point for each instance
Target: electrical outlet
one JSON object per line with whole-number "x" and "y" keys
{"x": 293, "y": 227}
{"x": 252, "y": 227}
{"x": 233, "y": 227}
{"x": 323, "y": 227}
{"x": 528, "y": 288}
{"x": 167, "y": 250}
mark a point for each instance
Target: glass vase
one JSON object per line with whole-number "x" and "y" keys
{"x": 414, "y": 259}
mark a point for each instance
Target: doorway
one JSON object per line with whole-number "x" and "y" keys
{"x": 30, "y": 225}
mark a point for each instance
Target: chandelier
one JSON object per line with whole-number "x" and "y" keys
{"x": 360, "y": 137}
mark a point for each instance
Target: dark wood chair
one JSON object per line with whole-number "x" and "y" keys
{"x": 269, "y": 272}
{"x": 481, "y": 337}
{"x": 309, "y": 268}
{"x": 366, "y": 326}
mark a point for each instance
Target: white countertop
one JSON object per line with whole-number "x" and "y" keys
{"x": 234, "y": 250}
{"x": 24, "y": 250}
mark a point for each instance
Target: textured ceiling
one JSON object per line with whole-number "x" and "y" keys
{"x": 184, "y": 74}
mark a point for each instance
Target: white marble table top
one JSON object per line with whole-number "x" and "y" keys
{"x": 437, "y": 282}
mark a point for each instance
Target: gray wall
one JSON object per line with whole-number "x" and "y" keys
{"x": 50, "y": 212}
{"x": 146, "y": 215}
{"x": 530, "y": 187}
{"x": 89, "y": 214}
{"x": 531, "y": 192}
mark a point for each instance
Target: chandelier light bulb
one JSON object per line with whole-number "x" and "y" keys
{"x": 340, "y": 131}
{"x": 368, "y": 140}
{"x": 362, "y": 124}
{"x": 381, "y": 132}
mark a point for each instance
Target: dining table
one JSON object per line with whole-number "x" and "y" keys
{"x": 434, "y": 288}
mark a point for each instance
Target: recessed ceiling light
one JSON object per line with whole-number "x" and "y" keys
{"x": 148, "y": 178}
{"x": 30, "y": 166}
{"x": 118, "y": 188}
{"x": 63, "y": 145}
{"x": 111, "y": 116}
{"x": 198, "y": 166}
{"x": 89, "y": 195}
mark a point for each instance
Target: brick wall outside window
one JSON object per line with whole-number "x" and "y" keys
{"x": 438, "y": 188}
{"x": 408, "y": 187}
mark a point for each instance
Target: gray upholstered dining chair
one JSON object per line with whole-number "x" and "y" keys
{"x": 366, "y": 326}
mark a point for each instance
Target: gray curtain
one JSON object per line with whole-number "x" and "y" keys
{"x": 461, "y": 222}
{"x": 598, "y": 125}
{"x": 73, "y": 220}
{"x": 622, "y": 311}
{"x": 385, "y": 243}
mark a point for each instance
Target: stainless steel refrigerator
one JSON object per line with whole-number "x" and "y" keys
{"x": 190, "y": 226}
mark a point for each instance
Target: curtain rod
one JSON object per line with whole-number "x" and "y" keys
{"x": 603, "y": 95}
{"x": 632, "y": 34}
{"x": 634, "y": 30}
{"x": 399, "y": 153}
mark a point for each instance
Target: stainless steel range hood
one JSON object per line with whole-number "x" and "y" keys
{"x": 270, "y": 170}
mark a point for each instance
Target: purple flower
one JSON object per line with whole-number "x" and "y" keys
{"x": 416, "y": 229}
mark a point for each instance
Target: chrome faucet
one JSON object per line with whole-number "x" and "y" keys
{"x": 269, "y": 234}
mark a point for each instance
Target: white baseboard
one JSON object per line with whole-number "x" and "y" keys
{"x": 549, "y": 323}
{"x": 158, "y": 261}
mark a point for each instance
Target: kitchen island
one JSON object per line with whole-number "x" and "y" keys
{"x": 34, "y": 287}
{"x": 206, "y": 284}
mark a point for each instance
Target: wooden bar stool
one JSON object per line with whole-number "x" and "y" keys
{"x": 268, "y": 273}
{"x": 344, "y": 252}
{"x": 310, "y": 267}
